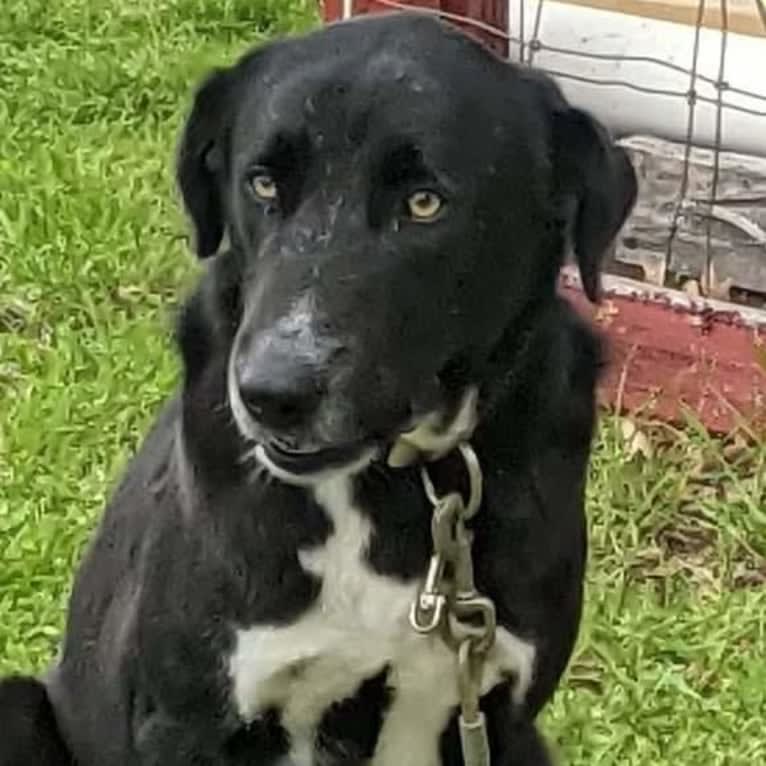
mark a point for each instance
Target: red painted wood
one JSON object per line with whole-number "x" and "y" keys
{"x": 331, "y": 9}
{"x": 663, "y": 360}
{"x": 491, "y": 12}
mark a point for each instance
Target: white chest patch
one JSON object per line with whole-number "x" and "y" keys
{"x": 358, "y": 625}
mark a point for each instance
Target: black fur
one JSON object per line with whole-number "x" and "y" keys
{"x": 29, "y": 735}
{"x": 192, "y": 544}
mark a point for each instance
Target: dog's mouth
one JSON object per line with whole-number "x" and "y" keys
{"x": 305, "y": 468}
{"x": 302, "y": 462}
{"x": 430, "y": 437}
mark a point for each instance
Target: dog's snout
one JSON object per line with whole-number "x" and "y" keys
{"x": 280, "y": 390}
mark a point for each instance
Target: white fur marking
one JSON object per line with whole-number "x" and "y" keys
{"x": 357, "y": 627}
{"x": 429, "y": 439}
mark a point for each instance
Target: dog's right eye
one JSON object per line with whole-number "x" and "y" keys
{"x": 424, "y": 205}
{"x": 263, "y": 186}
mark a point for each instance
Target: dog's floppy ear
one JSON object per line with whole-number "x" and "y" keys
{"x": 598, "y": 184}
{"x": 202, "y": 156}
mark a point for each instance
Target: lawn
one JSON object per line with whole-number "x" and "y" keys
{"x": 670, "y": 668}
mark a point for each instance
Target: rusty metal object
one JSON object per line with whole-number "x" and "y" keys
{"x": 487, "y": 20}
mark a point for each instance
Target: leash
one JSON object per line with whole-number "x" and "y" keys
{"x": 450, "y": 604}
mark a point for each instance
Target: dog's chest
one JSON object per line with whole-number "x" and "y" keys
{"x": 356, "y": 629}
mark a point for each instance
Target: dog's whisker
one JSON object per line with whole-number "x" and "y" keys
{"x": 259, "y": 474}
{"x": 249, "y": 456}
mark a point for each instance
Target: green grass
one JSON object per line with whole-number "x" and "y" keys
{"x": 670, "y": 667}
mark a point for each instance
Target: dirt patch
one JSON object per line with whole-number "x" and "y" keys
{"x": 748, "y": 570}
{"x": 692, "y": 548}
{"x": 686, "y": 540}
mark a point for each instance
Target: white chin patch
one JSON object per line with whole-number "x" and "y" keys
{"x": 430, "y": 438}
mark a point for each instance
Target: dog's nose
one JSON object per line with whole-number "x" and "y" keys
{"x": 279, "y": 391}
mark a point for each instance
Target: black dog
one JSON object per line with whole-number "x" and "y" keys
{"x": 396, "y": 204}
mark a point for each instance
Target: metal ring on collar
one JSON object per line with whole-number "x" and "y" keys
{"x": 476, "y": 481}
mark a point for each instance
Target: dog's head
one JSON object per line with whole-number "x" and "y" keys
{"x": 394, "y": 197}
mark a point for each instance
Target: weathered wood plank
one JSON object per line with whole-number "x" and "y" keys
{"x": 720, "y": 238}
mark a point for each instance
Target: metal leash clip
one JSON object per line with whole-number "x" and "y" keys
{"x": 450, "y": 603}
{"x": 428, "y": 612}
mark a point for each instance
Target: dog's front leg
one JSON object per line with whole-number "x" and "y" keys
{"x": 524, "y": 746}
{"x": 164, "y": 740}
{"x": 161, "y": 741}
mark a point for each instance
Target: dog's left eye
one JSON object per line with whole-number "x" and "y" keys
{"x": 263, "y": 186}
{"x": 424, "y": 205}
